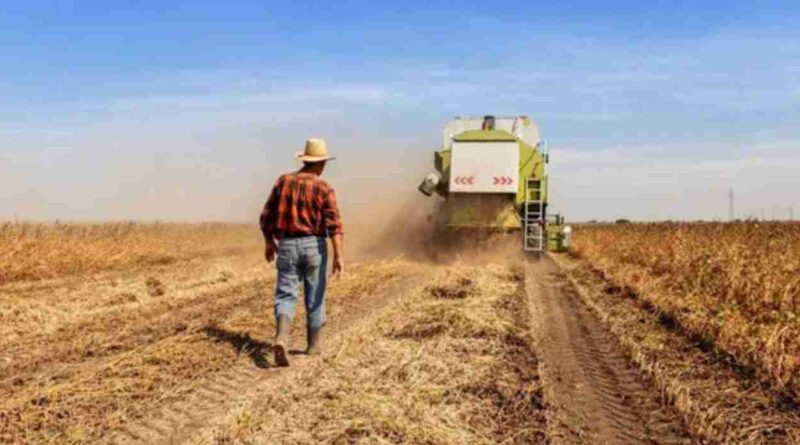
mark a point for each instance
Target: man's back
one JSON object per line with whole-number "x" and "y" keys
{"x": 301, "y": 204}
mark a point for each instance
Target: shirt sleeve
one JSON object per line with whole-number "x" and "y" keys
{"x": 330, "y": 212}
{"x": 269, "y": 213}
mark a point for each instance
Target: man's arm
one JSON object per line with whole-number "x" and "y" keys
{"x": 333, "y": 225}
{"x": 267, "y": 222}
{"x": 338, "y": 258}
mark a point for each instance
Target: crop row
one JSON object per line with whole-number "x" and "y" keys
{"x": 736, "y": 286}
{"x": 46, "y": 250}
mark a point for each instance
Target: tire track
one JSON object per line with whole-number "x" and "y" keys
{"x": 176, "y": 421}
{"x": 595, "y": 394}
{"x": 103, "y": 390}
{"x": 99, "y": 339}
{"x": 214, "y": 401}
{"x": 721, "y": 402}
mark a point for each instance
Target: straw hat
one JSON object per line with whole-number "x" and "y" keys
{"x": 316, "y": 151}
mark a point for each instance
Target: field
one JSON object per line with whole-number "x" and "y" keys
{"x": 735, "y": 286}
{"x": 40, "y": 250}
{"x": 161, "y": 333}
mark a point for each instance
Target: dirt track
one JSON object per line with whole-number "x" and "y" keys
{"x": 597, "y": 395}
{"x": 485, "y": 351}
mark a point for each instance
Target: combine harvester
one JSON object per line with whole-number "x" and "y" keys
{"x": 492, "y": 174}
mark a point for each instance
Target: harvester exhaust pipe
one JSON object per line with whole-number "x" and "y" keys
{"x": 488, "y": 123}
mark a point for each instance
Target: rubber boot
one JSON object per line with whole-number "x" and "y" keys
{"x": 281, "y": 346}
{"x": 313, "y": 341}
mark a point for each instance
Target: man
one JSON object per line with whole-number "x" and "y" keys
{"x": 299, "y": 215}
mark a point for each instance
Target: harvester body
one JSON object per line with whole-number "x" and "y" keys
{"x": 488, "y": 172}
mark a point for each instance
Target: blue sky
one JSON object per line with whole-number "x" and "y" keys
{"x": 187, "y": 110}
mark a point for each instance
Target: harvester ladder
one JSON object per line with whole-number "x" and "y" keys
{"x": 533, "y": 223}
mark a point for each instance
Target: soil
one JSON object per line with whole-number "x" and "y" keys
{"x": 595, "y": 394}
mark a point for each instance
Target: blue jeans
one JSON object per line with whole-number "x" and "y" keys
{"x": 302, "y": 259}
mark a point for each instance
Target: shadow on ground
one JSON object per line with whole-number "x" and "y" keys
{"x": 243, "y": 343}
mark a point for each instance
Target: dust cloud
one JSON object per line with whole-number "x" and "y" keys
{"x": 384, "y": 215}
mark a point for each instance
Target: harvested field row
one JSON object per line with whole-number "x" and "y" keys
{"x": 43, "y": 307}
{"x": 451, "y": 364}
{"x": 734, "y": 286}
{"x": 86, "y": 378}
{"x": 110, "y": 329}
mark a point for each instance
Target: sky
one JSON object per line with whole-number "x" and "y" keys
{"x": 153, "y": 110}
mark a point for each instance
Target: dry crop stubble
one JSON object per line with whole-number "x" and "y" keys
{"x": 72, "y": 395}
{"x": 103, "y": 364}
{"x": 452, "y": 363}
{"x": 736, "y": 286}
{"x": 41, "y": 307}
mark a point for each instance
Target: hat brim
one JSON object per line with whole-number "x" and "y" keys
{"x": 303, "y": 157}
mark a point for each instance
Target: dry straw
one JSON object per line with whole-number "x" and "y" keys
{"x": 98, "y": 370}
{"x": 735, "y": 286}
{"x": 45, "y": 250}
{"x": 449, "y": 364}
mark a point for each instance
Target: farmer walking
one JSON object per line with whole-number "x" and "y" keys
{"x": 299, "y": 216}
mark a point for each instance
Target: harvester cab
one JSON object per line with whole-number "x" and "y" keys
{"x": 492, "y": 175}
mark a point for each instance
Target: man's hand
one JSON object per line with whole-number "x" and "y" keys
{"x": 338, "y": 267}
{"x": 269, "y": 251}
{"x": 338, "y": 263}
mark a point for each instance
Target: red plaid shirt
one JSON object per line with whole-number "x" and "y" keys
{"x": 301, "y": 204}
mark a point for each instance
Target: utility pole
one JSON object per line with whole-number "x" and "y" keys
{"x": 791, "y": 213}
{"x": 731, "y": 214}
{"x": 773, "y": 213}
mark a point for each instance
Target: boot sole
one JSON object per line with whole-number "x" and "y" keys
{"x": 281, "y": 358}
